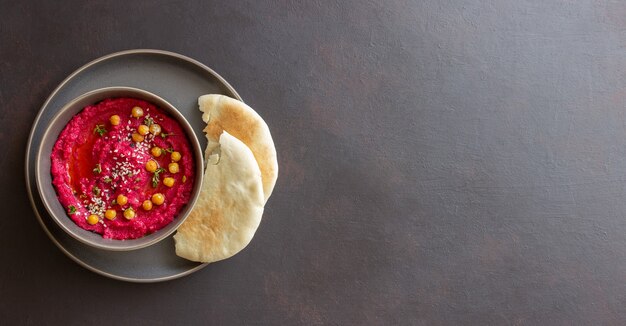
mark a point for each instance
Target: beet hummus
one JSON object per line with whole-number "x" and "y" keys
{"x": 122, "y": 168}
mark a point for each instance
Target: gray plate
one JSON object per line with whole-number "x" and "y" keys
{"x": 177, "y": 79}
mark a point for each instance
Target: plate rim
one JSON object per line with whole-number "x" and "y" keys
{"x": 32, "y": 132}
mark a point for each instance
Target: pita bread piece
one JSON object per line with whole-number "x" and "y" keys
{"x": 229, "y": 208}
{"x": 222, "y": 113}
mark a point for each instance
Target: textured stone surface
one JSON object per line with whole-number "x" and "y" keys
{"x": 442, "y": 162}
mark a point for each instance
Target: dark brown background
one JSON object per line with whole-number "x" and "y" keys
{"x": 442, "y": 162}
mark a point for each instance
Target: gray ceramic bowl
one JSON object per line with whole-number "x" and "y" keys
{"x": 48, "y": 192}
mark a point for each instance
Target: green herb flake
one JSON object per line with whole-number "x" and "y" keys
{"x": 100, "y": 130}
{"x": 148, "y": 121}
{"x": 165, "y": 134}
{"x": 96, "y": 190}
{"x": 107, "y": 180}
{"x": 71, "y": 209}
{"x": 156, "y": 178}
{"x": 97, "y": 169}
{"x": 114, "y": 202}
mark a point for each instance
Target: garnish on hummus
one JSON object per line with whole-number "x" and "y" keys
{"x": 104, "y": 165}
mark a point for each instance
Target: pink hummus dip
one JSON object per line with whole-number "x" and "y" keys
{"x": 114, "y": 180}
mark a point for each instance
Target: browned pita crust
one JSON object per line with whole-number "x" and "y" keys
{"x": 222, "y": 113}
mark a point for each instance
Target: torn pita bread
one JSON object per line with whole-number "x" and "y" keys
{"x": 222, "y": 113}
{"x": 229, "y": 208}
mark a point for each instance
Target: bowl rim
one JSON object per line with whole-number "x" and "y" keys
{"x": 157, "y": 236}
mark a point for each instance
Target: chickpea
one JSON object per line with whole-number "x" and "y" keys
{"x": 136, "y": 112}
{"x": 158, "y": 199}
{"x": 110, "y": 214}
{"x": 176, "y": 156}
{"x": 155, "y": 129}
{"x": 168, "y": 181}
{"x": 121, "y": 200}
{"x": 173, "y": 167}
{"x": 147, "y": 205}
{"x": 93, "y": 219}
{"x": 151, "y": 166}
{"x": 115, "y": 119}
{"x": 129, "y": 213}
{"x": 156, "y": 151}
{"x": 137, "y": 138}
{"x": 143, "y": 130}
